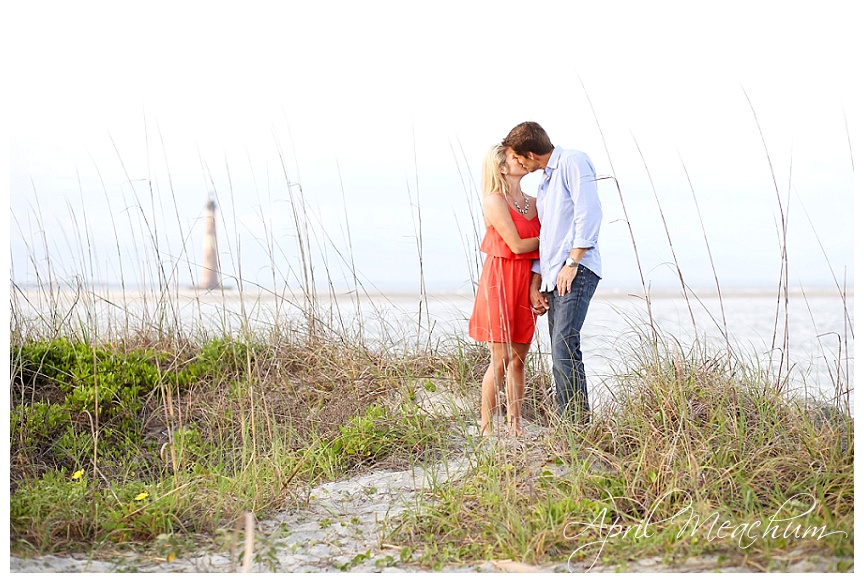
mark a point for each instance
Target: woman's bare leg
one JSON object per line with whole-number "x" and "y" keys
{"x": 516, "y": 387}
{"x": 492, "y": 381}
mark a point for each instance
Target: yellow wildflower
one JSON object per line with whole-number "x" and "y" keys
{"x": 78, "y": 475}
{"x": 141, "y": 496}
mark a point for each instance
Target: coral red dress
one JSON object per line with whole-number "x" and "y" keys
{"x": 502, "y": 310}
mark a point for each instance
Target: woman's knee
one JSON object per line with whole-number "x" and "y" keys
{"x": 497, "y": 369}
{"x": 517, "y": 372}
{"x": 519, "y": 354}
{"x": 516, "y": 362}
{"x": 499, "y": 354}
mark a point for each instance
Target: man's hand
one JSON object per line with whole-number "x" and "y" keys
{"x": 564, "y": 282}
{"x": 565, "y": 279}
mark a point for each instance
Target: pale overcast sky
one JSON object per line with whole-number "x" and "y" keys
{"x": 123, "y": 116}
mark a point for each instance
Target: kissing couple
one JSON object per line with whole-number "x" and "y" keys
{"x": 541, "y": 258}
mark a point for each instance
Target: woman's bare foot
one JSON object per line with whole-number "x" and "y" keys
{"x": 514, "y": 431}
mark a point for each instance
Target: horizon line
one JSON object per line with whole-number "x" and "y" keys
{"x": 442, "y": 291}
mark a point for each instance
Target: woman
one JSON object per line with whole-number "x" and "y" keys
{"x": 502, "y": 314}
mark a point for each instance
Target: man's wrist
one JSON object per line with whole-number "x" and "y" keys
{"x": 570, "y": 262}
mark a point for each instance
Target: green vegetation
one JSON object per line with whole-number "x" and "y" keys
{"x": 164, "y": 448}
{"x": 72, "y": 402}
{"x": 688, "y": 461}
{"x": 112, "y": 445}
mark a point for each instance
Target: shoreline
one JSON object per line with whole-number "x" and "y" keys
{"x": 232, "y": 293}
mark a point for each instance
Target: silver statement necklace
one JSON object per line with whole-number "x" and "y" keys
{"x": 519, "y": 209}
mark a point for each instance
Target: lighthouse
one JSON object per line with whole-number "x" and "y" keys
{"x": 210, "y": 263}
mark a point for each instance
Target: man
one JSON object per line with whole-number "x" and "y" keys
{"x": 569, "y": 268}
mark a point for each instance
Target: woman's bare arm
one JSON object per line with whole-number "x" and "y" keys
{"x": 497, "y": 213}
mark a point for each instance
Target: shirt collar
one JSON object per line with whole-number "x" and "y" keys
{"x": 553, "y": 161}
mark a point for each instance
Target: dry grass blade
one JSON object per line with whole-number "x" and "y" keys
{"x": 645, "y": 291}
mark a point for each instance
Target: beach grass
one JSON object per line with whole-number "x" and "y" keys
{"x": 679, "y": 465}
{"x": 117, "y": 447}
{"x": 151, "y": 433}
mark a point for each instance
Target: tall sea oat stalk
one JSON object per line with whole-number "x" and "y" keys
{"x": 471, "y": 197}
{"x": 783, "y": 284}
{"x": 647, "y": 295}
{"x": 669, "y": 239}
{"x": 298, "y": 211}
{"x": 713, "y": 268}
{"x": 418, "y": 236}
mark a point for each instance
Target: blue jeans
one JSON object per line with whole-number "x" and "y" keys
{"x": 566, "y": 316}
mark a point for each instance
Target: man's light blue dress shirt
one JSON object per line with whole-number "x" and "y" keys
{"x": 570, "y": 214}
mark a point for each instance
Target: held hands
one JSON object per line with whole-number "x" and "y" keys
{"x": 539, "y": 302}
{"x": 564, "y": 283}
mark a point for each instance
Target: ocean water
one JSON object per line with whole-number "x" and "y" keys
{"x": 819, "y": 323}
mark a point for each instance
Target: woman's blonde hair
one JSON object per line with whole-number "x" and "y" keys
{"x": 493, "y": 179}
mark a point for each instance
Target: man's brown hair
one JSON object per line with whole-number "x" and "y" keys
{"x": 528, "y": 136}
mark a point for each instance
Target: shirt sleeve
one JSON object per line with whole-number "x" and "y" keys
{"x": 581, "y": 181}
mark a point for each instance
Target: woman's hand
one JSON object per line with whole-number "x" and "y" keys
{"x": 538, "y": 299}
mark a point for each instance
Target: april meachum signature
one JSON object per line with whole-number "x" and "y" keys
{"x": 711, "y": 527}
